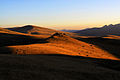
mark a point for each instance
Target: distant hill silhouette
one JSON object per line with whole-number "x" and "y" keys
{"x": 31, "y": 29}
{"x": 103, "y": 31}
{"x": 65, "y": 30}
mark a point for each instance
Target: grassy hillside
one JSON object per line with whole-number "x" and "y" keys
{"x": 58, "y": 43}
{"x": 58, "y": 57}
{"x": 109, "y": 43}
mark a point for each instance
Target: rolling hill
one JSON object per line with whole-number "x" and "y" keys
{"x": 58, "y": 43}
{"x": 31, "y": 29}
{"x": 58, "y": 57}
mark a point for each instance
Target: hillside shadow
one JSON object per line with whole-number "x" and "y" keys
{"x": 5, "y": 50}
{"x": 110, "y": 45}
{"x": 111, "y": 64}
{"x": 16, "y": 39}
{"x": 107, "y": 63}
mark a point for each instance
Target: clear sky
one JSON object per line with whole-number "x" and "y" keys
{"x": 59, "y": 14}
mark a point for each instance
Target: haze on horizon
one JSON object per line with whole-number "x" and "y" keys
{"x": 60, "y": 14}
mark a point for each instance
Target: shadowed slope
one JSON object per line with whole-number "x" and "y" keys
{"x": 2, "y": 30}
{"x": 10, "y": 38}
{"x": 17, "y": 39}
{"x": 108, "y": 43}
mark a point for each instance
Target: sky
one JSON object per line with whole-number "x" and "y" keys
{"x": 59, "y": 14}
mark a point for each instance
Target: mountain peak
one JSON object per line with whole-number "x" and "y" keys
{"x": 30, "y": 26}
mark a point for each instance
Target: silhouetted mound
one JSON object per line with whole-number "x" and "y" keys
{"x": 58, "y": 37}
{"x": 31, "y": 29}
{"x": 59, "y": 34}
{"x": 61, "y": 38}
{"x": 103, "y": 31}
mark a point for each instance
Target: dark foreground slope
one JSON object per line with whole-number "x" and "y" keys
{"x": 57, "y": 67}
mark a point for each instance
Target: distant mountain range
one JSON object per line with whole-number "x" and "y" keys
{"x": 103, "y": 31}
{"x": 65, "y": 30}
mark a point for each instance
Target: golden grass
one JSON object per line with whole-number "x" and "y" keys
{"x": 59, "y": 45}
{"x": 63, "y": 45}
